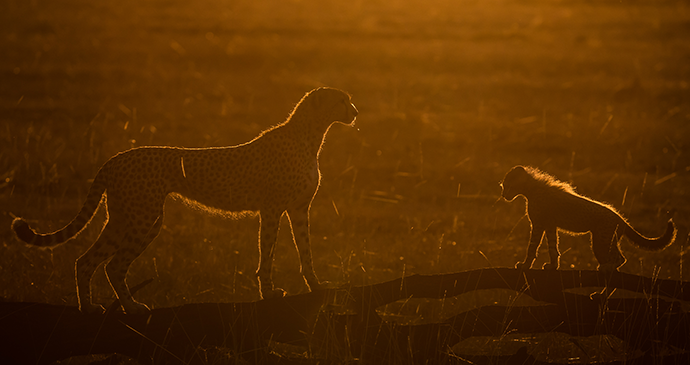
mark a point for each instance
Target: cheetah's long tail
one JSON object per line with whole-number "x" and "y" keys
{"x": 652, "y": 244}
{"x": 25, "y": 233}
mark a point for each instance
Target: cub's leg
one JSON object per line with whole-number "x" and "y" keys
{"x": 268, "y": 233}
{"x": 101, "y": 250}
{"x": 606, "y": 250}
{"x": 534, "y": 242}
{"x": 554, "y": 254}
{"x": 618, "y": 255}
{"x": 134, "y": 243}
{"x": 299, "y": 220}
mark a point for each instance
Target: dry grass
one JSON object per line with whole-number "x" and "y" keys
{"x": 451, "y": 95}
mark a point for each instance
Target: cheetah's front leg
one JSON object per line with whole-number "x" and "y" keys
{"x": 299, "y": 220}
{"x": 268, "y": 233}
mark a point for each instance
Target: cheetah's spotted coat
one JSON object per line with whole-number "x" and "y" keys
{"x": 274, "y": 173}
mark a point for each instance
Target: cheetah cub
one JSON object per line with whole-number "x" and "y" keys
{"x": 276, "y": 172}
{"x": 553, "y": 205}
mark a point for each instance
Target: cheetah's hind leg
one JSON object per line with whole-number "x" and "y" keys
{"x": 101, "y": 250}
{"x": 117, "y": 268}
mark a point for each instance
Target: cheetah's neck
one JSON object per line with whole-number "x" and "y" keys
{"x": 309, "y": 134}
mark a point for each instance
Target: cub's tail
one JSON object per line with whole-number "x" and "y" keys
{"x": 652, "y": 244}
{"x": 25, "y": 233}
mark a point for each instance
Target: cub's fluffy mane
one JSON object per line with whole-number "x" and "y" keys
{"x": 552, "y": 182}
{"x": 549, "y": 180}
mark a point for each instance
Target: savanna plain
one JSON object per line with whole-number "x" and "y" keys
{"x": 451, "y": 95}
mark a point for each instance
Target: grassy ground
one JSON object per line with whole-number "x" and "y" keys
{"x": 451, "y": 95}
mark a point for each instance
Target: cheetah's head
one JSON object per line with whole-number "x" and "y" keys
{"x": 332, "y": 104}
{"x": 514, "y": 182}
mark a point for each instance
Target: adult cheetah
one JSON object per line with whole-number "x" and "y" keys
{"x": 276, "y": 172}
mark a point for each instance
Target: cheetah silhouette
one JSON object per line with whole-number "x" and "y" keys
{"x": 554, "y": 206}
{"x": 276, "y": 172}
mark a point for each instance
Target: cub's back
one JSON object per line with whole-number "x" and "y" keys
{"x": 572, "y": 212}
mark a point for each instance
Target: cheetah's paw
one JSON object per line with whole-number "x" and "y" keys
{"x": 320, "y": 285}
{"x": 90, "y": 308}
{"x": 135, "y": 308}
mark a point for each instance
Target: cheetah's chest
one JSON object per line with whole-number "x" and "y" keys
{"x": 314, "y": 175}
{"x": 309, "y": 182}
{"x": 292, "y": 182}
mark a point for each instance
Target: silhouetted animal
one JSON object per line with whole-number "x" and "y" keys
{"x": 276, "y": 172}
{"x": 554, "y": 205}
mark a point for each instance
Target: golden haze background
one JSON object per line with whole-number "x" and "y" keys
{"x": 451, "y": 95}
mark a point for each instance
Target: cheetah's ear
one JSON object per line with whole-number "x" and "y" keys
{"x": 316, "y": 98}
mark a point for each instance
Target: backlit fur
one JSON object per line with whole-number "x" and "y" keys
{"x": 276, "y": 172}
{"x": 553, "y": 205}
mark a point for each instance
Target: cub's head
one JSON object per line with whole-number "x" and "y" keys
{"x": 332, "y": 104}
{"x": 514, "y": 182}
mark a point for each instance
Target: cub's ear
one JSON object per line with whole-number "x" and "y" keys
{"x": 519, "y": 171}
{"x": 517, "y": 175}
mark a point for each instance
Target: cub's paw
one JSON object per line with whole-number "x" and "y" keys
{"x": 607, "y": 267}
{"x": 521, "y": 266}
{"x": 273, "y": 294}
{"x": 90, "y": 308}
{"x": 549, "y": 266}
